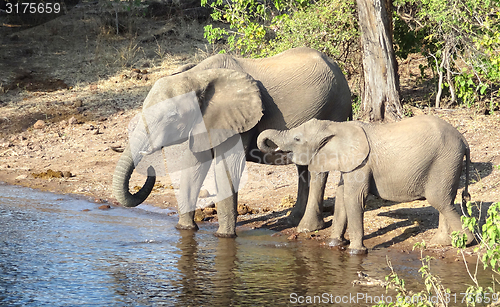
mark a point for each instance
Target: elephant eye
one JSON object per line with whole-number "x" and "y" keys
{"x": 296, "y": 139}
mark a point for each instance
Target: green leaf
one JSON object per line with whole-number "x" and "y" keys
{"x": 483, "y": 88}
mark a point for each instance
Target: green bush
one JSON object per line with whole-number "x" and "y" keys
{"x": 250, "y": 22}
{"x": 329, "y": 26}
{"x": 461, "y": 40}
{"x": 488, "y": 253}
{"x": 261, "y": 29}
{"x": 488, "y": 250}
{"x": 488, "y": 235}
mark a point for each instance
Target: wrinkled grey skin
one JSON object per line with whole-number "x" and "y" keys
{"x": 417, "y": 158}
{"x": 247, "y": 96}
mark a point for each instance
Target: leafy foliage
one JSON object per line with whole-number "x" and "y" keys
{"x": 266, "y": 28}
{"x": 489, "y": 237}
{"x": 434, "y": 294}
{"x": 251, "y": 22}
{"x": 329, "y": 26}
{"x": 407, "y": 38}
{"x": 460, "y": 39}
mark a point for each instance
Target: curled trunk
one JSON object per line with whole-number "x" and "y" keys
{"x": 265, "y": 143}
{"x": 121, "y": 178}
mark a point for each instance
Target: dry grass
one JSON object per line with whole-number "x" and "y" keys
{"x": 92, "y": 61}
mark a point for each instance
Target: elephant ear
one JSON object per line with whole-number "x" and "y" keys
{"x": 344, "y": 148}
{"x": 230, "y": 103}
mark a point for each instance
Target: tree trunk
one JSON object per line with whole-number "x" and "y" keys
{"x": 380, "y": 97}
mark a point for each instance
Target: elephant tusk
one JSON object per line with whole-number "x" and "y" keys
{"x": 145, "y": 153}
{"x": 277, "y": 149}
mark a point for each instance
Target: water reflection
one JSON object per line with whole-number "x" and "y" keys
{"x": 189, "y": 266}
{"x": 52, "y": 253}
{"x": 225, "y": 267}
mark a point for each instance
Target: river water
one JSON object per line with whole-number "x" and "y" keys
{"x": 56, "y": 250}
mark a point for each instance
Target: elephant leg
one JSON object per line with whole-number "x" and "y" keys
{"x": 339, "y": 222}
{"x": 196, "y": 166}
{"x": 299, "y": 208}
{"x": 442, "y": 236}
{"x": 313, "y": 216}
{"x": 186, "y": 221}
{"x": 440, "y": 192}
{"x": 227, "y": 214}
{"x": 356, "y": 187}
{"x": 449, "y": 221}
{"x": 230, "y": 164}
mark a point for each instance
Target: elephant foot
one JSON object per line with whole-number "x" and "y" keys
{"x": 294, "y": 218}
{"x": 357, "y": 251}
{"x": 308, "y": 226}
{"x": 441, "y": 238}
{"x": 225, "y": 235}
{"x": 338, "y": 242}
{"x": 471, "y": 238}
{"x": 186, "y": 227}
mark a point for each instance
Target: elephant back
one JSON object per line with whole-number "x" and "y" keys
{"x": 296, "y": 85}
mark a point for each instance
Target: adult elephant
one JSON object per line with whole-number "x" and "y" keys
{"x": 235, "y": 99}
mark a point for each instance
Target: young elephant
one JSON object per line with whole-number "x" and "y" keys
{"x": 417, "y": 158}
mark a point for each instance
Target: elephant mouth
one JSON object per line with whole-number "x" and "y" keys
{"x": 279, "y": 150}
{"x": 287, "y": 155}
{"x": 271, "y": 146}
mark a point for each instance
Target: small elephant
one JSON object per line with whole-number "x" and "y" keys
{"x": 416, "y": 158}
{"x": 220, "y": 101}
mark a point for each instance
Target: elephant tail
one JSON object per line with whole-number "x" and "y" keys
{"x": 465, "y": 194}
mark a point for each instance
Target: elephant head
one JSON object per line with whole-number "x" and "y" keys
{"x": 322, "y": 145}
{"x": 204, "y": 108}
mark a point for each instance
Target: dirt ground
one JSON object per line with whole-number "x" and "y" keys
{"x": 70, "y": 86}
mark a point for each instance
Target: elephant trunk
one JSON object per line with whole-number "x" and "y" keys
{"x": 266, "y": 141}
{"x": 121, "y": 178}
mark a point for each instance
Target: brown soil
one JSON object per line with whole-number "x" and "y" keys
{"x": 70, "y": 87}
